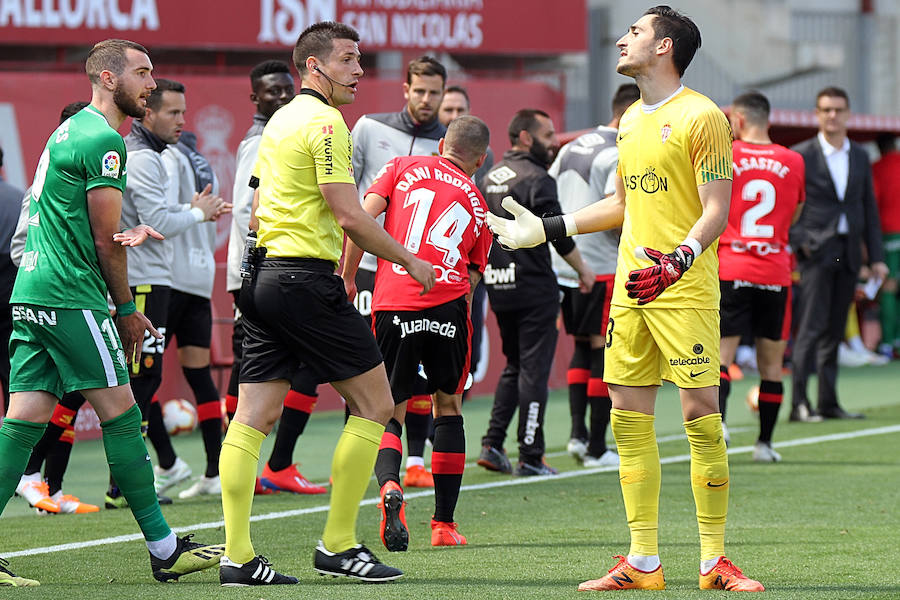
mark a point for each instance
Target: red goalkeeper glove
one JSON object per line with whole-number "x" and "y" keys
{"x": 648, "y": 283}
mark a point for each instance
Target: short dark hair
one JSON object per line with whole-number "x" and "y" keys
{"x": 468, "y": 136}
{"x": 267, "y": 67}
{"x": 833, "y": 92}
{"x": 318, "y": 40}
{"x": 109, "y": 55}
{"x": 626, "y": 95}
{"x": 458, "y": 89}
{"x": 887, "y": 142}
{"x": 753, "y": 105}
{"x": 71, "y": 109}
{"x": 524, "y": 120}
{"x": 426, "y": 65}
{"x": 685, "y": 36}
{"x": 163, "y": 85}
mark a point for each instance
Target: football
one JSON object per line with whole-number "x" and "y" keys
{"x": 753, "y": 398}
{"x": 179, "y": 415}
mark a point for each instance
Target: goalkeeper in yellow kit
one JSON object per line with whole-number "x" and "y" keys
{"x": 673, "y": 188}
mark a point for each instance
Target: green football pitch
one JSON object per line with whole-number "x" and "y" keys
{"x": 824, "y": 523}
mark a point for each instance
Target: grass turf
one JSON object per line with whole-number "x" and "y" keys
{"x": 822, "y": 524}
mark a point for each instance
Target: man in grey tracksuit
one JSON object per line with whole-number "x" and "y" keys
{"x": 145, "y": 201}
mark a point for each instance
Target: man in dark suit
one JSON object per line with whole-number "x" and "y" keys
{"x": 837, "y": 231}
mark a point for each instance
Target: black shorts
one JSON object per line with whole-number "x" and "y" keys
{"x": 365, "y": 286}
{"x": 587, "y": 314}
{"x": 190, "y": 320}
{"x": 762, "y": 311}
{"x": 438, "y": 337}
{"x": 153, "y": 301}
{"x": 296, "y": 312}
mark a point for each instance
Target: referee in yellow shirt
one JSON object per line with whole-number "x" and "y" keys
{"x": 673, "y": 189}
{"x": 296, "y": 310}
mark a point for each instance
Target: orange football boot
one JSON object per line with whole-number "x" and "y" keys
{"x": 726, "y": 576}
{"x": 623, "y": 576}
{"x": 393, "y": 529}
{"x": 418, "y": 476}
{"x": 445, "y": 534}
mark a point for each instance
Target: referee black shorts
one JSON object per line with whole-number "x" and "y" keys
{"x": 190, "y": 320}
{"x": 438, "y": 337}
{"x": 762, "y": 311}
{"x": 297, "y": 312}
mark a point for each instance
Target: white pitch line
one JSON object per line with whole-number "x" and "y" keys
{"x": 834, "y": 437}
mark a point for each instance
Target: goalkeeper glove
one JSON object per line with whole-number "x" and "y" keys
{"x": 526, "y": 230}
{"x": 648, "y": 283}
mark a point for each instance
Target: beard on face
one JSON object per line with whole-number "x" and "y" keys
{"x": 128, "y": 105}
{"x": 420, "y": 118}
{"x": 544, "y": 154}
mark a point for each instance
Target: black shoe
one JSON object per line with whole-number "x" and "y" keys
{"x": 493, "y": 459}
{"x": 163, "y": 499}
{"x": 188, "y": 557}
{"x": 839, "y": 413}
{"x": 804, "y": 414}
{"x": 258, "y": 571}
{"x": 357, "y": 562}
{"x": 394, "y": 534}
{"x": 531, "y": 470}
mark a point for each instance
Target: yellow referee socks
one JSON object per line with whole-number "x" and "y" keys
{"x": 709, "y": 480}
{"x": 351, "y": 469}
{"x": 238, "y": 463}
{"x": 639, "y": 476}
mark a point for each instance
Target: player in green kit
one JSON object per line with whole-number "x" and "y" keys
{"x": 63, "y": 337}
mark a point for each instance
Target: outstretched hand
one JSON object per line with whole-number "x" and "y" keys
{"x": 137, "y": 235}
{"x": 525, "y": 230}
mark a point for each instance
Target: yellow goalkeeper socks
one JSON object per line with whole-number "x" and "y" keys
{"x": 238, "y": 463}
{"x": 351, "y": 469}
{"x": 709, "y": 481}
{"x": 639, "y": 476}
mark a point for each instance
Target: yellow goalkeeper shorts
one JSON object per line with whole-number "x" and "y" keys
{"x": 646, "y": 345}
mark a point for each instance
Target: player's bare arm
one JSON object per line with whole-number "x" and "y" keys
{"x": 105, "y": 209}
{"x": 586, "y": 276}
{"x": 715, "y": 197}
{"x": 608, "y": 213}
{"x": 474, "y": 278}
{"x": 366, "y": 233}
{"x": 254, "y": 222}
{"x": 526, "y": 230}
{"x": 374, "y": 205}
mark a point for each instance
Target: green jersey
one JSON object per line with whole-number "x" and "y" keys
{"x": 59, "y": 268}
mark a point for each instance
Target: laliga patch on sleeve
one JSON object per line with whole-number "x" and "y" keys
{"x": 111, "y": 164}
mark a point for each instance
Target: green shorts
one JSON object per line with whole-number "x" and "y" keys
{"x": 59, "y": 350}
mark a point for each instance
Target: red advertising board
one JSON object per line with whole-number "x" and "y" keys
{"x": 471, "y": 26}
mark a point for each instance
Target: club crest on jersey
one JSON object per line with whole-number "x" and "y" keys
{"x": 111, "y": 164}
{"x": 665, "y": 132}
